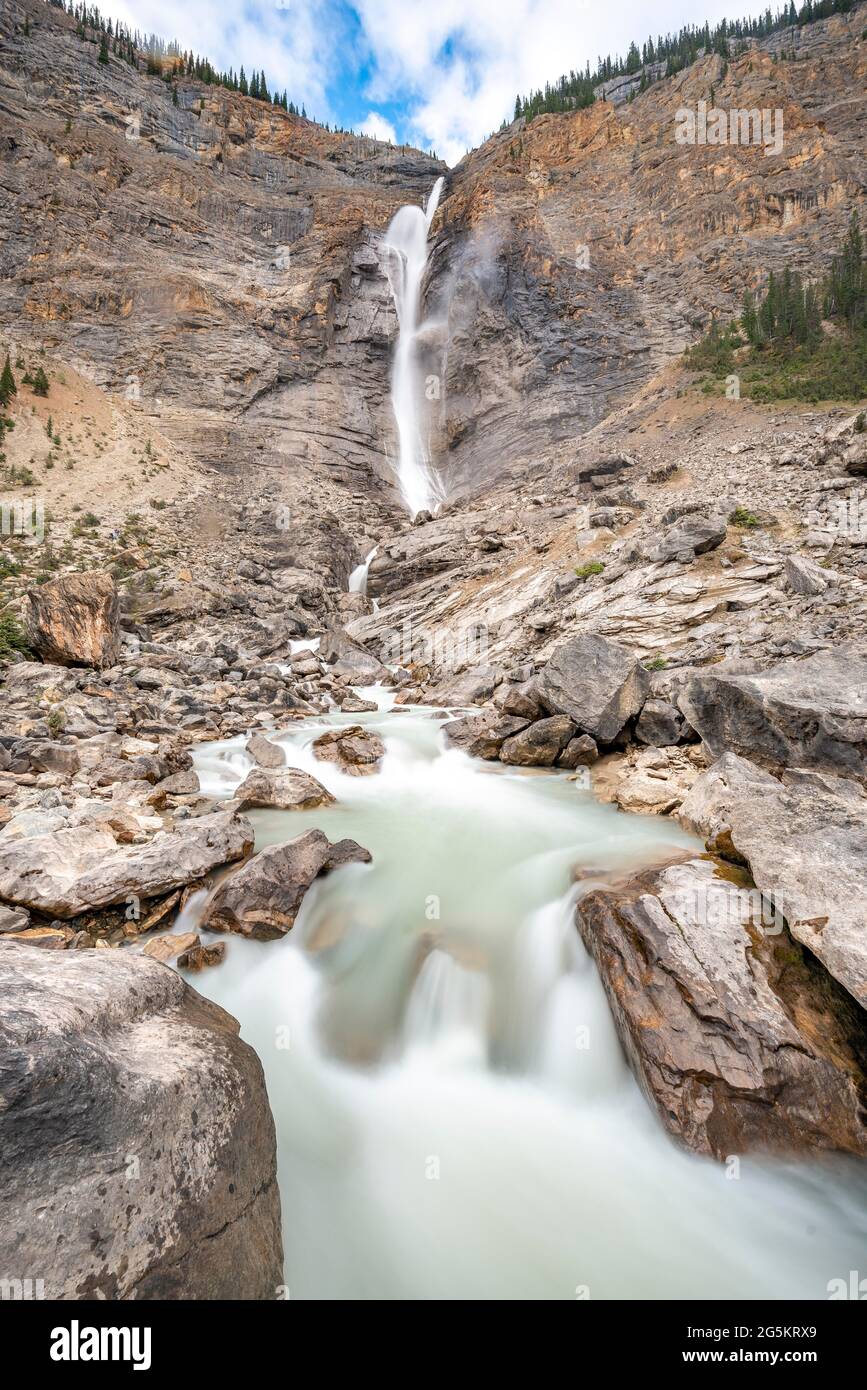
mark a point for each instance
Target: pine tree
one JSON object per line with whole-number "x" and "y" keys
{"x": 103, "y": 50}
{"x": 750, "y": 319}
{"x": 40, "y": 382}
{"x": 8, "y": 389}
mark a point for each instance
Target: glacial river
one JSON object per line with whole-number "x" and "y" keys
{"x": 454, "y": 1114}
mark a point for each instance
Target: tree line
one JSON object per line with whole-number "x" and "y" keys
{"x": 576, "y": 90}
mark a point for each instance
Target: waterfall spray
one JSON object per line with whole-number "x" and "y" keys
{"x": 406, "y": 239}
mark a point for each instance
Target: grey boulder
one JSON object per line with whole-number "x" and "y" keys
{"x": 139, "y": 1155}
{"x": 597, "y": 682}
{"x": 262, "y": 899}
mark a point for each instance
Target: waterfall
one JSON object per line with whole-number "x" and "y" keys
{"x": 358, "y": 577}
{"x": 406, "y": 239}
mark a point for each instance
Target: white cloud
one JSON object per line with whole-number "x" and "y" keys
{"x": 376, "y": 126}
{"x": 296, "y": 43}
{"x": 461, "y": 63}
{"x": 454, "y": 66}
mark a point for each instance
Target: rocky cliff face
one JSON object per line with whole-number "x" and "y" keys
{"x": 578, "y": 254}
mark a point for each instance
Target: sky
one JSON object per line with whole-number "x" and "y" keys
{"x": 439, "y": 74}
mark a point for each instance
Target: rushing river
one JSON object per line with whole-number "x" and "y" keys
{"x": 454, "y": 1115}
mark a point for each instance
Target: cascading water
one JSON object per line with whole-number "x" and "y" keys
{"x": 455, "y": 1116}
{"x": 358, "y": 577}
{"x": 406, "y": 239}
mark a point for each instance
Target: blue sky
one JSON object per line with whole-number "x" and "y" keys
{"x": 435, "y": 73}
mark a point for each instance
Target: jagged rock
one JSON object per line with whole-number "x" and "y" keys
{"x": 579, "y": 752}
{"x": 541, "y": 744}
{"x": 598, "y": 683}
{"x": 483, "y": 735}
{"x": 286, "y": 790}
{"x": 74, "y": 620}
{"x": 202, "y": 957}
{"x": 71, "y": 871}
{"x": 693, "y": 536}
{"x": 152, "y": 1172}
{"x": 521, "y": 699}
{"x": 165, "y": 948}
{"x": 810, "y": 713}
{"x": 804, "y": 837}
{"x": 352, "y": 704}
{"x": 262, "y": 899}
{"x": 349, "y": 659}
{"x": 653, "y": 781}
{"x": 355, "y": 750}
{"x": 13, "y": 919}
{"x": 659, "y": 724}
{"x": 805, "y": 577}
{"x": 265, "y": 753}
{"x": 469, "y": 688}
{"x": 738, "y": 1039}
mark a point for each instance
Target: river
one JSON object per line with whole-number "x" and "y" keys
{"x": 454, "y": 1114}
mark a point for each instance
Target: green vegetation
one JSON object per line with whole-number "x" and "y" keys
{"x": 741, "y": 516}
{"x": 594, "y": 567}
{"x": 12, "y": 636}
{"x": 8, "y": 389}
{"x": 658, "y": 663}
{"x": 575, "y": 90}
{"x": 780, "y": 349}
{"x": 40, "y": 382}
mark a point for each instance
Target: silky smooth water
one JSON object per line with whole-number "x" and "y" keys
{"x": 455, "y": 1117}
{"x": 406, "y": 242}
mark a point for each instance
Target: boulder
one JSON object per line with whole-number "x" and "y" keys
{"x": 579, "y": 752}
{"x": 14, "y": 919}
{"x": 72, "y": 871}
{"x": 804, "y": 837}
{"x": 74, "y": 620}
{"x": 598, "y": 683}
{"x": 470, "y": 687}
{"x": 265, "y": 753}
{"x": 541, "y": 744}
{"x": 165, "y": 948}
{"x": 483, "y": 735}
{"x": 200, "y": 957}
{"x": 738, "y": 1039}
{"x": 355, "y": 750}
{"x": 139, "y": 1155}
{"x": 809, "y": 713}
{"x": 695, "y": 535}
{"x": 289, "y": 790}
{"x": 522, "y": 700}
{"x": 659, "y": 724}
{"x": 805, "y": 577}
{"x": 653, "y": 781}
{"x": 262, "y": 899}
{"x": 349, "y": 659}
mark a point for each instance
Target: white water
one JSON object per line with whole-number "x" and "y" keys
{"x": 407, "y": 240}
{"x": 441, "y": 1133}
{"x": 358, "y": 577}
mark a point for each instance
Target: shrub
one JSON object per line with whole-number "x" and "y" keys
{"x": 594, "y": 567}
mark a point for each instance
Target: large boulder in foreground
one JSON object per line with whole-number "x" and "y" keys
{"x": 804, "y": 837}
{"x": 75, "y": 620}
{"x": 738, "y": 1038}
{"x": 139, "y": 1154}
{"x": 262, "y": 899}
{"x": 810, "y": 713}
{"x": 598, "y": 683}
{"x": 69, "y": 872}
{"x": 541, "y": 744}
